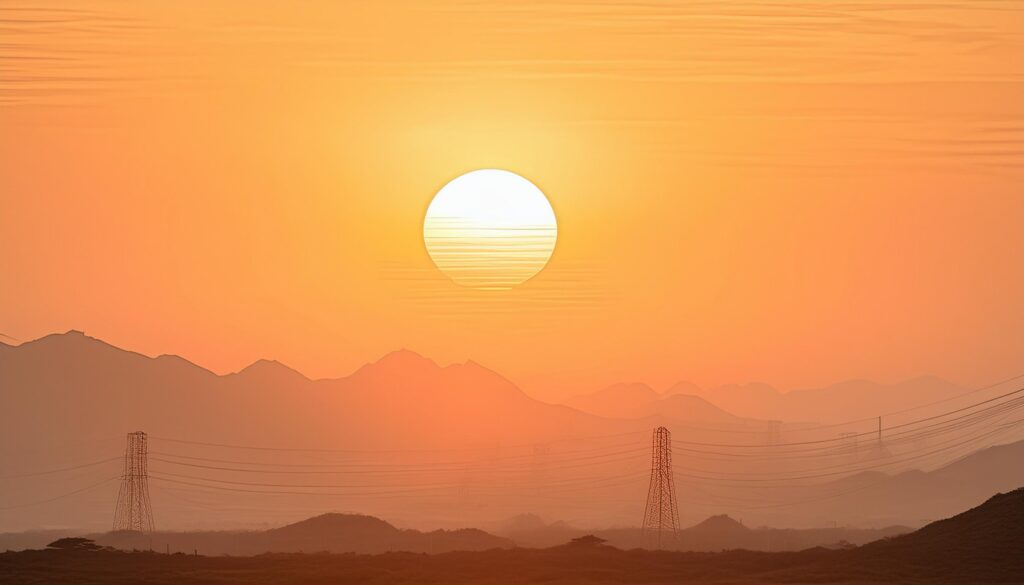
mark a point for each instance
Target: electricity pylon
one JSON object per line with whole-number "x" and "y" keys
{"x": 661, "y": 517}
{"x": 133, "y": 511}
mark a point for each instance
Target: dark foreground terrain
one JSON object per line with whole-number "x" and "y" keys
{"x": 982, "y": 545}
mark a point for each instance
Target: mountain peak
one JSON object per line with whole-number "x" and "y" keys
{"x": 719, "y": 523}
{"x": 336, "y": 522}
{"x": 683, "y": 387}
{"x": 405, "y": 357}
{"x": 264, "y": 368}
{"x": 69, "y": 335}
{"x": 71, "y": 340}
{"x": 400, "y": 361}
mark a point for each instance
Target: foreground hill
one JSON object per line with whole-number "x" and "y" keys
{"x": 979, "y": 546}
{"x": 984, "y": 544}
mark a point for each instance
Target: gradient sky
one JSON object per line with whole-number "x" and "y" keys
{"x": 795, "y": 192}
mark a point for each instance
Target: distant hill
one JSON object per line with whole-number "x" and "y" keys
{"x": 641, "y": 401}
{"x": 912, "y": 497}
{"x": 716, "y": 533}
{"x": 754, "y": 404}
{"x": 337, "y": 533}
{"x": 840, "y": 402}
{"x": 720, "y": 524}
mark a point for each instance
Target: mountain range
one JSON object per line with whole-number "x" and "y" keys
{"x": 754, "y": 404}
{"x": 402, "y": 437}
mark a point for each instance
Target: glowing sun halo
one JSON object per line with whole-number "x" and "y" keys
{"x": 490, "y": 229}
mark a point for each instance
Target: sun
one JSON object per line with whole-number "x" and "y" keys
{"x": 490, "y": 229}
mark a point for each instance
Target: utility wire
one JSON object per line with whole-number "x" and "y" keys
{"x": 379, "y": 451}
{"x": 822, "y": 475}
{"x": 845, "y": 447}
{"x": 62, "y": 496}
{"x": 835, "y": 439}
{"x": 62, "y": 469}
{"x": 373, "y": 464}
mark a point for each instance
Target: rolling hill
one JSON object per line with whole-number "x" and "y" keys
{"x": 337, "y": 533}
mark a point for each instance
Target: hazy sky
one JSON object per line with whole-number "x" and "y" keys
{"x": 796, "y": 192}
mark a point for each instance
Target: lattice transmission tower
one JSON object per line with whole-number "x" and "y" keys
{"x": 661, "y": 517}
{"x": 133, "y": 511}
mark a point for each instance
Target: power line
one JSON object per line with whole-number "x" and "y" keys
{"x": 397, "y": 451}
{"x": 742, "y": 503}
{"x": 945, "y": 423}
{"x": 62, "y": 496}
{"x": 835, "y": 439}
{"x": 916, "y": 407}
{"x": 892, "y": 438}
{"x": 601, "y": 437}
{"x": 856, "y": 467}
{"x": 375, "y": 464}
{"x": 469, "y": 466}
{"x": 955, "y": 430}
{"x": 59, "y": 470}
{"x": 822, "y": 475}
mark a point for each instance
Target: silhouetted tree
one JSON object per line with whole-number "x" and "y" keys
{"x": 74, "y": 543}
{"x": 587, "y": 541}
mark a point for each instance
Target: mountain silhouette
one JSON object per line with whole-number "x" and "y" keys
{"x": 993, "y": 529}
{"x": 270, "y": 370}
{"x": 88, "y": 394}
{"x": 61, "y": 377}
{"x": 722, "y": 523}
{"x": 981, "y": 545}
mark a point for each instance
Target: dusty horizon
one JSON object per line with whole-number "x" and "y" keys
{"x": 583, "y": 291}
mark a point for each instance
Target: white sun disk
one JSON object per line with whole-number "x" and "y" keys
{"x": 490, "y": 229}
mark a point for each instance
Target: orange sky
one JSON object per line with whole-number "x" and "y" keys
{"x": 792, "y": 192}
